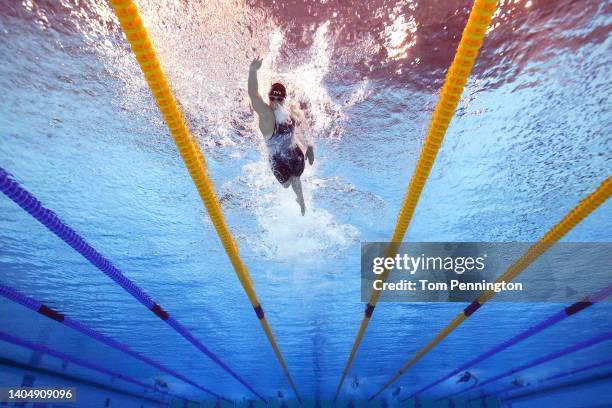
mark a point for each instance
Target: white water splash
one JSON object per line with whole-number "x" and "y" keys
{"x": 283, "y": 233}
{"x": 206, "y": 61}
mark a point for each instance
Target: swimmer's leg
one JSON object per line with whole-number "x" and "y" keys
{"x": 296, "y": 184}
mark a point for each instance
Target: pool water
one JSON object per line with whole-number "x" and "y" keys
{"x": 81, "y": 132}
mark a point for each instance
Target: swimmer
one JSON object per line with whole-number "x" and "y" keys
{"x": 279, "y": 124}
{"x": 466, "y": 377}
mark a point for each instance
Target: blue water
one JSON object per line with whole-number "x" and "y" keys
{"x": 80, "y": 130}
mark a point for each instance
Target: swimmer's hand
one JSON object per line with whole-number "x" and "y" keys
{"x": 310, "y": 155}
{"x": 255, "y": 64}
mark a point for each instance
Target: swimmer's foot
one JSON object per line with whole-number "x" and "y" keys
{"x": 302, "y": 205}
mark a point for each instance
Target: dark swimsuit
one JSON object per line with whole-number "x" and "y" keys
{"x": 288, "y": 161}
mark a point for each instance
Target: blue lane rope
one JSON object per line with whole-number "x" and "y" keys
{"x": 544, "y": 324}
{"x": 513, "y": 387}
{"x": 43, "y": 309}
{"x": 576, "y": 371}
{"x": 9, "y": 338}
{"x": 541, "y": 360}
{"x": 35, "y": 208}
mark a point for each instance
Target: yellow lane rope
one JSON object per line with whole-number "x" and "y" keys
{"x": 138, "y": 37}
{"x": 456, "y": 78}
{"x": 571, "y": 219}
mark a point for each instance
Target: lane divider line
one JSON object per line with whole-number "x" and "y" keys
{"x": 32, "y": 304}
{"x": 456, "y": 78}
{"x": 531, "y": 331}
{"x": 142, "y": 47}
{"x": 9, "y": 338}
{"x": 584, "y": 208}
{"x": 538, "y": 361}
{"x": 24, "y": 199}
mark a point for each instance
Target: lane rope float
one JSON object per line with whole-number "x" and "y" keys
{"x": 142, "y": 47}
{"x": 585, "y": 207}
{"x": 9, "y": 338}
{"x": 562, "y": 374}
{"x": 456, "y": 79}
{"x": 538, "y": 361}
{"x": 36, "y": 306}
{"x": 531, "y": 331}
{"x": 24, "y": 199}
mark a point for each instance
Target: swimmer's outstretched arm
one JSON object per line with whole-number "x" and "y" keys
{"x": 256, "y": 99}
{"x": 265, "y": 114}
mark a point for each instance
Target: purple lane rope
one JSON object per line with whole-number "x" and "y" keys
{"x": 38, "y": 307}
{"x": 52, "y": 222}
{"x": 554, "y": 319}
{"x": 83, "y": 363}
{"x": 541, "y": 360}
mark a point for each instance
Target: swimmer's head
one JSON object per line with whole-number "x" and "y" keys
{"x": 277, "y": 94}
